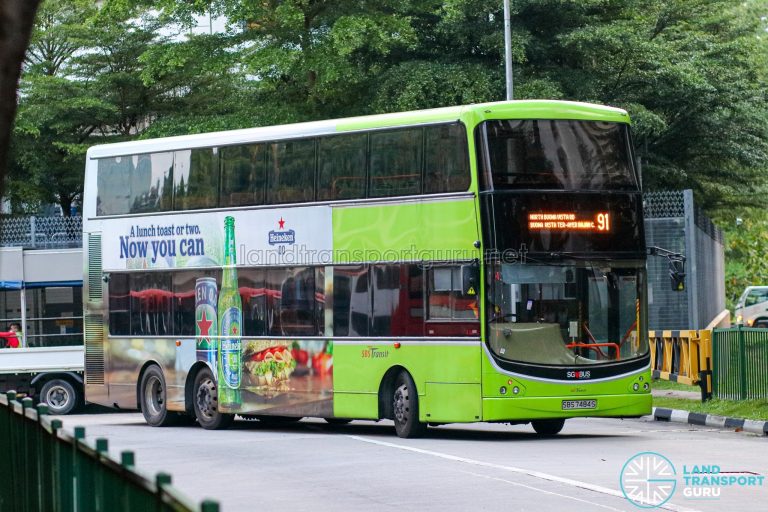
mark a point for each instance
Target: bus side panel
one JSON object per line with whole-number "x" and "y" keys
{"x": 441, "y": 367}
{"x": 127, "y": 357}
{"x": 414, "y": 231}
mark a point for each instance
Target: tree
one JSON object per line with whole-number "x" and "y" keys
{"x": 16, "y": 21}
{"x": 692, "y": 73}
{"x": 302, "y": 60}
{"x": 81, "y": 86}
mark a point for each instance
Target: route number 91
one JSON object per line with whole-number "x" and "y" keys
{"x": 603, "y": 221}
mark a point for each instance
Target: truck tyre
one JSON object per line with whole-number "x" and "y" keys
{"x": 60, "y": 396}
{"x": 152, "y": 399}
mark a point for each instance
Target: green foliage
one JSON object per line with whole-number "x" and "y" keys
{"x": 746, "y": 251}
{"x": 692, "y": 73}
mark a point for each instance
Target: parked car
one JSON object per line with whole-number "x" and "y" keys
{"x": 752, "y": 308}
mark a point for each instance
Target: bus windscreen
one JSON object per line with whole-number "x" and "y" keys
{"x": 557, "y": 155}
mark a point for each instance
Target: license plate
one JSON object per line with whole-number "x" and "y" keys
{"x": 579, "y": 404}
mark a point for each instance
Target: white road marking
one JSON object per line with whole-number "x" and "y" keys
{"x": 517, "y": 484}
{"x": 513, "y": 469}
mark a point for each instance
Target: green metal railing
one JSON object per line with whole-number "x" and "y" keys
{"x": 740, "y": 369}
{"x": 45, "y": 468}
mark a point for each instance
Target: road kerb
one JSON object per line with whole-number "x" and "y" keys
{"x": 710, "y": 420}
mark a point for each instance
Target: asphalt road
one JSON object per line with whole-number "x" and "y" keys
{"x": 312, "y": 466}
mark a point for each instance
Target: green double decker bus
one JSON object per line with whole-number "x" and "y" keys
{"x": 481, "y": 263}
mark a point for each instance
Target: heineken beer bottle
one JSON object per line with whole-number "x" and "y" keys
{"x": 230, "y": 321}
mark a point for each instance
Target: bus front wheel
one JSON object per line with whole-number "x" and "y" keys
{"x": 548, "y": 427}
{"x": 206, "y": 402}
{"x": 406, "y": 408}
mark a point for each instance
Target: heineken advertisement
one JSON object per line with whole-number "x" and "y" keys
{"x": 295, "y": 236}
{"x": 230, "y": 319}
{"x": 292, "y": 377}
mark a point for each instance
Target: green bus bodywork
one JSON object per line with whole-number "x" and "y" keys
{"x": 456, "y": 378}
{"x": 456, "y": 382}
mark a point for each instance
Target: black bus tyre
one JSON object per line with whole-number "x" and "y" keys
{"x": 206, "y": 402}
{"x": 548, "y": 427}
{"x": 60, "y": 396}
{"x": 405, "y": 404}
{"x": 152, "y": 399}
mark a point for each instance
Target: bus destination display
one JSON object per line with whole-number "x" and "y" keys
{"x": 569, "y": 221}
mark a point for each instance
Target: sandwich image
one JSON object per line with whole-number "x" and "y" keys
{"x": 270, "y": 366}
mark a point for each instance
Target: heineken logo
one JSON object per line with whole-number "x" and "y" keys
{"x": 282, "y": 237}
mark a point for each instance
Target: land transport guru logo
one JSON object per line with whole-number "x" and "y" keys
{"x": 649, "y": 480}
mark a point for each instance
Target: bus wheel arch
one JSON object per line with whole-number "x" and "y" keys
{"x": 189, "y": 387}
{"x": 386, "y": 390}
{"x": 152, "y": 397}
{"x": 401, "y": 400}
{"x": 143, "y": 370}
{"x": 205, "y": 401}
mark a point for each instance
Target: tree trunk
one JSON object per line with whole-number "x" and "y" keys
{"x": 16, "y": 20}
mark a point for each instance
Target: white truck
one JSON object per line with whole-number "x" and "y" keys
{"x": 50, "y": 375}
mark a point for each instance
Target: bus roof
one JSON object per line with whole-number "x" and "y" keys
{"x": 470, "y": 114}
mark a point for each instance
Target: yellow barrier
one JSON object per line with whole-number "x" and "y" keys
{"x": 684, "y": 357}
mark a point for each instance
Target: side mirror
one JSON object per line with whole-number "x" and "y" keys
{"x": 677, "y": 274}
{"x": 470, "y": 279}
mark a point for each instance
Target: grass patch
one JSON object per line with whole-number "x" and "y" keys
{"x": 747, "y": 409}
{"x": 668, "y": 384}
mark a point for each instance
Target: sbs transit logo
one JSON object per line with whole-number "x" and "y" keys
{"x": 648, "y": 480}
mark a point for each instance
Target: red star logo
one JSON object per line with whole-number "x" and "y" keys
{"x": 205, "y": 325}
{"x": 234, "y": 330}
{"x": 281, "y": 222}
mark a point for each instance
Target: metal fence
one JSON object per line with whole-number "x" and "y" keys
{"x": 673, "y": 222}
{"x": 740, "y": 358}
{"x": 33, "y": 232}
{"x": 44, "y": 468}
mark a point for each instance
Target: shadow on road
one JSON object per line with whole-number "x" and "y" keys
{"x": 387, "y": 431}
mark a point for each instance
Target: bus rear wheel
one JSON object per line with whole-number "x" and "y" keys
{"x": 205, "y": 398}
{"x": 548, "y": 427}
{"x": 405, "y": 404}
{"x": 152, "y": 399}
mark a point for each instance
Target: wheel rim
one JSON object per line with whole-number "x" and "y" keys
{"x": 401, "y": 404}
{"x": 57, "y": 397}
{"x": 206, "y": 398}
{"x": 154, "y": 395}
